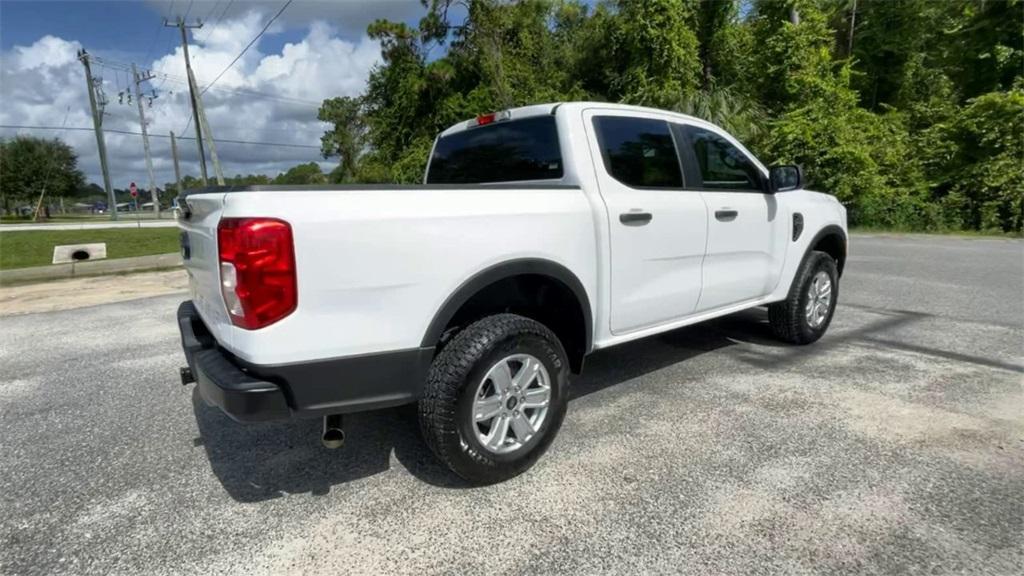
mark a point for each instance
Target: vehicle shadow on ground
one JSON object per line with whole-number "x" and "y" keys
{"x": 257, "y": 462}
{"x": 264, "y": 461}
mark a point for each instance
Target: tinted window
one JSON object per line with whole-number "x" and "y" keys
{"x": 501, "y": 152}
{"x": 638, "y": 151}
{"x": 721, "y": 165}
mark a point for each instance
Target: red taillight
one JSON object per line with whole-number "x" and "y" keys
{"x": 257, "y": 270}
{"x": 485, "y": 119}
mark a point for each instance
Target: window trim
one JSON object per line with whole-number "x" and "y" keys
{"x": 605, "y": 164}
{"x": 691, "y": 166}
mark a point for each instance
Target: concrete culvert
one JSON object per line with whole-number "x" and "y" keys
{"x": 71, "y": 253}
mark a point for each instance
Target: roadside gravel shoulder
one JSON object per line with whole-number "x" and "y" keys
{"x": 89, "y": 291}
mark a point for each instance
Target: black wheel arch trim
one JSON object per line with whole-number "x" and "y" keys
{"x": 501, "y": 271}
{"x": 829, "y": 230}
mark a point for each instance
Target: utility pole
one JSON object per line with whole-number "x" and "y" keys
{"x": 201, "y": 120}
{"x": 174, "y": 155}
{"x": 139, "y": 79}
{"x": 97, "y": 123}
{"x": 180, "y": 25}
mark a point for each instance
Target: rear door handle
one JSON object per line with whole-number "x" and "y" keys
{"x": 635, "y": 218}
{"x": 726, "y": 215}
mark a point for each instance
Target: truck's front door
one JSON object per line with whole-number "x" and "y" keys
{"x": 746, "y": 243}
{"x": 657, "y": 228}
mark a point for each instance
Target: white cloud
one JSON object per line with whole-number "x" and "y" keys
{"x": 351, "y": 17}
{"x": 263, "y": 97}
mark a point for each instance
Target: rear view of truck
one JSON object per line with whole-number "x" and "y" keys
{"x": 321, "y": 301}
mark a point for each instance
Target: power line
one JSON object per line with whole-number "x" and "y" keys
{"x": 159, "y": 29}
{"x": 113, "y": 65}
{"x": 219, "y": 18}
{"x": 133, "y": 133}
{"x": 249, "y": 45}
{"x": 167, "y": 46}
{"x": 212, "y": 10}
{"x": 49, "y": 168}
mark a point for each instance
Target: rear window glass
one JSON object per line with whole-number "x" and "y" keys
{"x": 508, "y": 151}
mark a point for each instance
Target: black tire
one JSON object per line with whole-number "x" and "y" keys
{"x": 788, "y": 319}
{"x": 445, "y": 412}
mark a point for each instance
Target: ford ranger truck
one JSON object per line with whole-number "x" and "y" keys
{"x": 540, "y": 234}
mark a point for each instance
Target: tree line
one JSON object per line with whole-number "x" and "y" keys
{"x": 910, "y": 111}
{"x": 31, "y": 166}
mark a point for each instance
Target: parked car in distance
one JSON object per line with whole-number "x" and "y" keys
{"x": 540, "y": 234}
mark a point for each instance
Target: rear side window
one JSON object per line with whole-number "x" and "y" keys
{"x": 638, "y": 152}
{"x": 722, "y": 166}
{"x": 510, "y": 151}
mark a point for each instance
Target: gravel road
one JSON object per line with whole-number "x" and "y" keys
{"x": 895, "y": 445}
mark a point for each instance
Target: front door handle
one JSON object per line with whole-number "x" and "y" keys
{"x": 635, "y": 218}
{"x": 726, "y": 214}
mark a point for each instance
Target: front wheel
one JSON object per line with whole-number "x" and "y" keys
{"x": 805, "y": 314}
{"x": 495, "y": 398}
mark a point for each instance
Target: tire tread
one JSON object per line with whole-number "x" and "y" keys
{"x": 438, "y": 409}
{"x": 786, "y": 317}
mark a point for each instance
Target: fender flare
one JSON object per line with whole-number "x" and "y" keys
{"x": 829, "y": 230}
{"x": 501, "y": 271}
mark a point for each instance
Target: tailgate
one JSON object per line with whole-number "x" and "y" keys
{"x": 200, "y": 214}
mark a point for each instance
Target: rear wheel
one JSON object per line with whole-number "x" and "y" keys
{"x": 495, "y": 398}
{"x": 807, "y": 312}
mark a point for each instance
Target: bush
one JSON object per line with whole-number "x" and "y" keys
{"x": 987, "y": 169}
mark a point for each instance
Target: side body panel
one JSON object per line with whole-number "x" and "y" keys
{"x": 746, "y": 248}
{"x": 746, "y": 238}
{"x": 655, "y": 264}
{"x": 375, "y": 266}
{"x": 779, "y": 254}
{"x": 820, "y": 213}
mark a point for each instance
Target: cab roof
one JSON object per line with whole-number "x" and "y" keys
{"x": 553, "y": 107}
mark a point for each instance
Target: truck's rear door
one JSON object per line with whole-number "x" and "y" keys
{"x": 657, "y": 229}
{"x": 198, "y": 219}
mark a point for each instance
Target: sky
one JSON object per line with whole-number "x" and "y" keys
{"x": 315, "y": 50}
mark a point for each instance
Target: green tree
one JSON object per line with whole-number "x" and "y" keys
{"x": 346, "y": 139}
{"x": 654, "y": 52}
{"x": 888, "y": 37}
{"x": 309, "y": 173}
{"x": 904, "y": 109}
{"x": 30, "y": 165}
{"x": 985, "y": 48}
{"x": 986, "y": 170}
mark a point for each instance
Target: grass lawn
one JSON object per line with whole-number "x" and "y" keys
{"x": 57, "y": 218}
{"x": 24, "y": 249}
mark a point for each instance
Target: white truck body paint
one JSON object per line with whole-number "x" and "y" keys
{"x": 375, "y": 265}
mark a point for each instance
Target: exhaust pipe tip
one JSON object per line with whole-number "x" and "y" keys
{"x": 333, "y": 436}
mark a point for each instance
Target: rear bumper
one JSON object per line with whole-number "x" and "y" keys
{"x": 254, "y": 393}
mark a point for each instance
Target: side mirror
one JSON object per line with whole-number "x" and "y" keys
{"x": 785, "y": 177}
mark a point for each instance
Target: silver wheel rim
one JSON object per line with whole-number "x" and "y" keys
{"x": 819, "y": 299}
{"x": 511, "y": 403}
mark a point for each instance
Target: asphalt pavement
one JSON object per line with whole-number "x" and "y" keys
{"x": 895, "y": 445}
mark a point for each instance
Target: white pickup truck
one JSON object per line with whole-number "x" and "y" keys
{"x": 540, "y": 235}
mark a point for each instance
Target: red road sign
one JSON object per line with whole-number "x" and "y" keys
{"x": 134, "y": 190}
